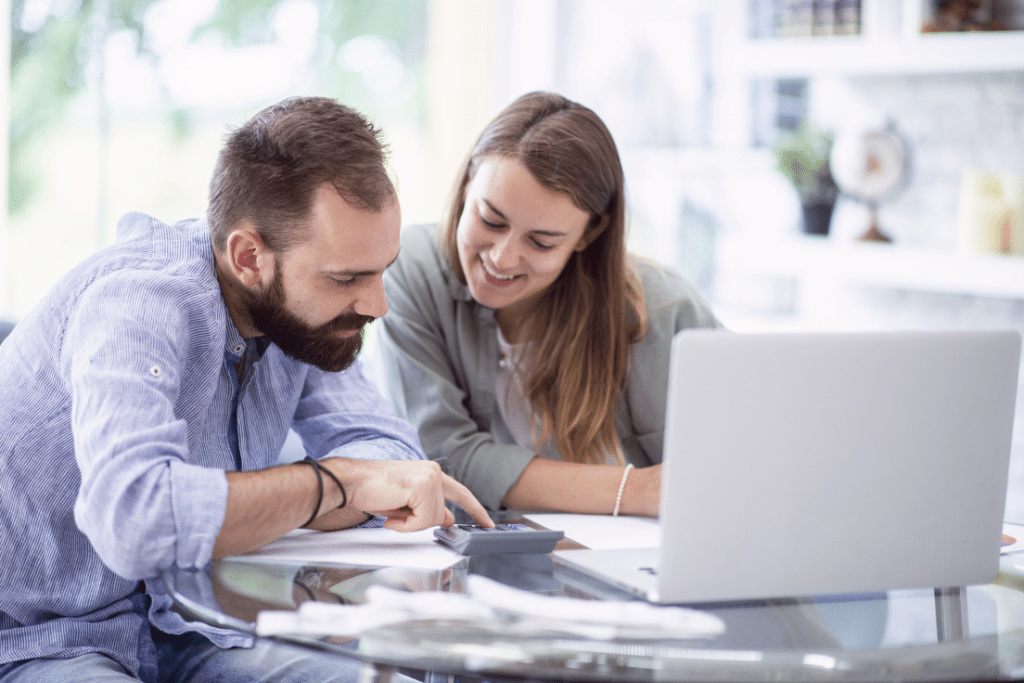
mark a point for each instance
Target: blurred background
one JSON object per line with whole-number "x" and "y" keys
{"x": 762, "y": 139}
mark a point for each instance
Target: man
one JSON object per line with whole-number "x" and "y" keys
{"x": 145, "y": 400}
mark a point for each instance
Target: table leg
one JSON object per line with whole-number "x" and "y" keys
{"x": 380, "y": 673}
{"x": 951, "y": 614}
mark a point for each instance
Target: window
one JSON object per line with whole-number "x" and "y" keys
{"x": 122, "y": 106}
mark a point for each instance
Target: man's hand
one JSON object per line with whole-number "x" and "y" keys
{"x": 263, "y": 505}
{"x": 410, "y": 493}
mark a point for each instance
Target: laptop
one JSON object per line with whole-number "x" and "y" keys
{"x": 801, "y": 464}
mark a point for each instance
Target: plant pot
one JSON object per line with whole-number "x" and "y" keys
{"x": 817, "y": 217}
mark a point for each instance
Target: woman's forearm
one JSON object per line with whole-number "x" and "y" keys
{"x": 553, "y": 485}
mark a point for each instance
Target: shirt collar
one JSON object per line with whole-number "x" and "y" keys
{"x": 234, "y": 344}
{"x": 456, "y": 289}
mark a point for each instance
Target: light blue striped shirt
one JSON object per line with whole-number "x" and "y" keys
{"x": 115, "y": 403}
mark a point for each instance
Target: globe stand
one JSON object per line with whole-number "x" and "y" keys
{"x": 874, "y": 234}
{"x": 871, "y": 165}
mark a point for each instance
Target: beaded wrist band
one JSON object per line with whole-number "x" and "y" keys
{"x": 622, "y": 486}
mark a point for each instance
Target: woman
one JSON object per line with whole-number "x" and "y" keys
{"x": 527, "y": 347}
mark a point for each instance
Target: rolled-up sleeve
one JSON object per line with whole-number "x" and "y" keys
{"x": 344, "y": 415}
{"x": 126, "y": 359}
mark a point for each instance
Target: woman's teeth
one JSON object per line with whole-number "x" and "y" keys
{"x": 496, "y": 276}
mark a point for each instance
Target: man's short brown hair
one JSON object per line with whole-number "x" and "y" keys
{"x": 270, "y": 168}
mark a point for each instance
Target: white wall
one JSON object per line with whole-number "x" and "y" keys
{"x": 5, "y": 106}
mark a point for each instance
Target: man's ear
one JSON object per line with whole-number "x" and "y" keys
{"x": 248, "y": 258}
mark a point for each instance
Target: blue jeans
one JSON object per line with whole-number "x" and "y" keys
{"x": 191, "y": 658}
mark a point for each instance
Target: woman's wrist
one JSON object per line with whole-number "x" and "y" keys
{"x": 641, "y": 494}
{"x": 622, "y": 487}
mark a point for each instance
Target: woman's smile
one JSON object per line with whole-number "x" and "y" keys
{"x": 515, "y": 235}
{"x": 495, "y": 278}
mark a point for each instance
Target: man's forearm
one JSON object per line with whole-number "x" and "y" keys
{"x": 266, "y": 504}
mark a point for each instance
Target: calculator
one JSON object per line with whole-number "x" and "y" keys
{"x": 473, "y": 539}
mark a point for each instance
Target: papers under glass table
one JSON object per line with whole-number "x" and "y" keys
{"x": 526, "y": 617}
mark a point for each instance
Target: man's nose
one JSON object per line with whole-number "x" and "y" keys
{"x": 372, "y": 300}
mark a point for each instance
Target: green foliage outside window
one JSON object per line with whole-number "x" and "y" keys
{"x": 54, "y": 59}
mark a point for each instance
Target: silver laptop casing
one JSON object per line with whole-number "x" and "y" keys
{"x": 801, "y": 464}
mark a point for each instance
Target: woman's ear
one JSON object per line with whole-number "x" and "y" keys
{"x": 248, "y": 258}
{"x": 591, "y": 233}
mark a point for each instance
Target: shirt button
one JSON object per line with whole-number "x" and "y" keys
{"x": 155, "y": 371}
{"x": 238, "y": 348}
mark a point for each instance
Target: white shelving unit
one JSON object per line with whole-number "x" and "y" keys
{"x": 890, "y": 43}
{"x": 808, "y": 278}
{"x": 879, "y": 55}
{"x": 873, "y": 264}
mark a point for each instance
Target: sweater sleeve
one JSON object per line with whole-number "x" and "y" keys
{"x": 672, "y": 304}
{"x": 438, "y": 369}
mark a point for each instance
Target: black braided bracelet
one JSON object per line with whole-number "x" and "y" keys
{"x": 325, "y": 470}
{"x": 320, "y": 488}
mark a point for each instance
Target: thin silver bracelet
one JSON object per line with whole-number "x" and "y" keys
{"x": 622, "y": 486}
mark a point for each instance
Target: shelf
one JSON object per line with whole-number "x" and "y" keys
{"x": 853, "y": 55}
{"x": 819, "y": 260}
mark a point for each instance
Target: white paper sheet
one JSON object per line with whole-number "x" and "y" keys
{"x": 1015, "y": 542}
{"x": 492, "y": 607}
{"x": 364, "y": 547}
{"x": 603, "y": 531}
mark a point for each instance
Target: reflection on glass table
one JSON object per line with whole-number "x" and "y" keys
{"x": 971, "y": 633}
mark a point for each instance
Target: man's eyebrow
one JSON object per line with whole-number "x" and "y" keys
{"x": 359, "y": 273}
{"x": 546, "y": 233}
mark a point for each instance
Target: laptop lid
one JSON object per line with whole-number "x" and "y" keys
{"x": 813, "y": 463}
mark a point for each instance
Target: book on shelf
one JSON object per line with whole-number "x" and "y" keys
{"x": 824, "y": 17}
{"x": 796, "y": 18}
{"x": 847, "y": 17}
{"x": 803, "y": 18}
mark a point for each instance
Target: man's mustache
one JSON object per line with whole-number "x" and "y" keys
{"x": 348, "y": 321}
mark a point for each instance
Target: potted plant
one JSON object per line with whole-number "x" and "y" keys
{"x": 802, "y": 157}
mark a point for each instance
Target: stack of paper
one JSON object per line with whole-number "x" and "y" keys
{"x": 492, "y": 606}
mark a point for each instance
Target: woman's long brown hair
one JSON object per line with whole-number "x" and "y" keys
{"x": 580, "y": 332}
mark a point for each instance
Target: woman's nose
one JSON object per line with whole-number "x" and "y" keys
{"x": 503, "y": 253}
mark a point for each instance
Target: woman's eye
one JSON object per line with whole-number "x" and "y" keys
{"x": 541, "y": 245}
{"x": 491, "y": 224}
{"x": 343, "y": 283}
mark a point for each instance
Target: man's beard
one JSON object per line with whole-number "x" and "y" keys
{"x": 318, "y": 346}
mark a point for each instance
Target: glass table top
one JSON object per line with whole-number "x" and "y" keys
{"x": 971, "y": 633}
